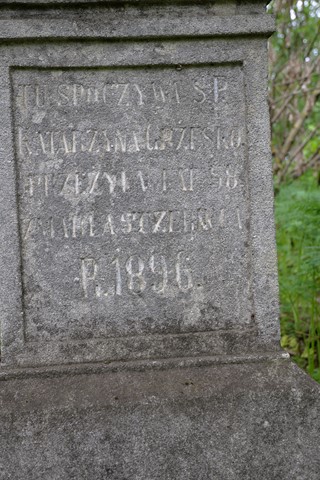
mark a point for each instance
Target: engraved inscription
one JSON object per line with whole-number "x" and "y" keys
{"x": 103, "y": 183}
{"x": 132, "y": 191}
{"x": 113, "y": 94}
{"x": 147, "y": 138}
{"x": 136, "y": 275}
{"x": 124, "y": 224}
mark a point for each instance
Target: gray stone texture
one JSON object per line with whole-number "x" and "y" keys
{"x": 137, "y": 193}
{"x": 224, "y": 422}
{"x": 139, "y": 303}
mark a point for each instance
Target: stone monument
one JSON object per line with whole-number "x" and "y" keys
{"x": 139, "y": 309}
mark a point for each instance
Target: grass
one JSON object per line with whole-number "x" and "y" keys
{"x": 298, "y": 240}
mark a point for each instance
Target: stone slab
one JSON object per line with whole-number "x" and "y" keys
{"x": 139, "y": 308}
{"x": 132, "y": 201}
{"x": 229, "y": 421}
{"x": 137, "y": 201}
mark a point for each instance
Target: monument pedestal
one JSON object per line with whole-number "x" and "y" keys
{"x": 138, "y": 295}
{"x": 182, "y": 419}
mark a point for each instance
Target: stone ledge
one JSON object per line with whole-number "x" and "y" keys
{"x": 226, "y": 422}
{"x": 135, "y": 27}
{"x": 39, "y": 3}
{"x": 138, "y": 365}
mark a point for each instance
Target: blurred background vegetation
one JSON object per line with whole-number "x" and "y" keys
{"x": 294, "y": 97}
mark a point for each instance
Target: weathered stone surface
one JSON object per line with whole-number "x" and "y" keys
{"x": 226, "y": 422}
{"x": 139, "y": 310}
{"x": 133, "y": 205}
{"x": 140, "y": 176}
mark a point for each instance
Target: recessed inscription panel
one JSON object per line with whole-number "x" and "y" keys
{"x": 132, "y": 200}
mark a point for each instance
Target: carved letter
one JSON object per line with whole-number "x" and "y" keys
{"x": 120, "y": 142}
{"x": 93, "y": 179}
{"x": 160, "y": 93}
{"x": 219, "y": 85}
{"x": 232, "y": 181}
{"x": 62, "y": 92}
{"x": 41, "y": 96}
{"x": 183, "y": 131}
{"x": 139, "y": 93}
{"x": 124, "y": 91}
{"x": 89, "y": 270}
{"x": 160, "y": 268}
{"x": 142, "y": 182}
{"x": 199, "y": 90}
{"x": 183, "y": 272}
{"x": 23, "y": 142}
{"x": 136, "y": 281}
{"x": 159, "y": 217}
{"x": 112, "y": 179}
{"x": 108, "y": 227}
{"x": 205, "y": 223}
{"x": 184, "y": 186}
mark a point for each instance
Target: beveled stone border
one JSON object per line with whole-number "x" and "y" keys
{"x": 140, "y": 366}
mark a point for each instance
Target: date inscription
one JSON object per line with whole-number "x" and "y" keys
{"x": 136, "y": 275}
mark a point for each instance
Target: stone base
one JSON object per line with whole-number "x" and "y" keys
{"x": 257, "y": 418}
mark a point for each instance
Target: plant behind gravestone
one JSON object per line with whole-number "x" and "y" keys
{"x": 295, "y": 88}
{"x": 298, "y": 239}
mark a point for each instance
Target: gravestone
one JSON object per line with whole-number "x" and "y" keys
{"x": 139, "y": 310}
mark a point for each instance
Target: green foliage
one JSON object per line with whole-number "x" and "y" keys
{"x": 294, "y": 97}
{"x": 295, "y": 88}
{"x": 298, "y": 240}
